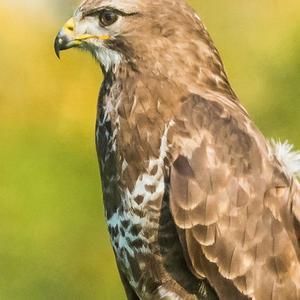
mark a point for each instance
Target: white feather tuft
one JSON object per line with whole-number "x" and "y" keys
{"x": 289, "y": 158}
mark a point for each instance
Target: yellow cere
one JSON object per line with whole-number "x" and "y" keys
{"x": 70, "y": 25}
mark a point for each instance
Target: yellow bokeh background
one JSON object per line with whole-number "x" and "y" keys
{"x": 53, "y": 239}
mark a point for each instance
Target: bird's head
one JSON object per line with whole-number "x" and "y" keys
{"x": 95, "y": 26}
{"x": 135, "y": 31}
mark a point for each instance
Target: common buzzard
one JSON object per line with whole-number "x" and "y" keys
{"x": 198, "y": 203}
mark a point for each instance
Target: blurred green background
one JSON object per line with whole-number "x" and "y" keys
{"x": 53, "y": 239}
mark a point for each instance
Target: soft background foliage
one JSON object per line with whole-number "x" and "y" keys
{"x": 53, "y": 240}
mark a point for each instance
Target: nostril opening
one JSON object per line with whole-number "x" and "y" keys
{"x": 69, "y": 25}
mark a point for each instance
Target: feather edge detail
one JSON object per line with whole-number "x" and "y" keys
{"x": 287, "y": 156}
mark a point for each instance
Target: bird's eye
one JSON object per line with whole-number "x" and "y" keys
{"x": 107, "y": 17}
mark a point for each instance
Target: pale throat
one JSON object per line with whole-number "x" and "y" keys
{"x": 109, "y": 59}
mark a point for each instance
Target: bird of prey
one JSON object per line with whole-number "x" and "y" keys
{"x": 199, "y": 204}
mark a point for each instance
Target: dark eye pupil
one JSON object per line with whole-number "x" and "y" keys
{"x": 107, "y": 18}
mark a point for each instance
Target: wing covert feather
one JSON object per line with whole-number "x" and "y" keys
{"x": 231, "y": 203}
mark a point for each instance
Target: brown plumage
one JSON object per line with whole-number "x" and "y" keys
{"x": 197, "y": 203}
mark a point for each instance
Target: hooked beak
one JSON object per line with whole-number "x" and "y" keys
{"x": 66, "y": 38}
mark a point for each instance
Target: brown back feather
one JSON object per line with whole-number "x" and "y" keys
{"x": 231, "y": 203}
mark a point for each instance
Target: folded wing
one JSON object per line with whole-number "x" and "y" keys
{"x": 234, "y": 207}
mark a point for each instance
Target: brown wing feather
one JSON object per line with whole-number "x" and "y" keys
{"x": 233, "y": 204}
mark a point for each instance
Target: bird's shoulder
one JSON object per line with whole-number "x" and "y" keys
{"x": 232, "y": 202}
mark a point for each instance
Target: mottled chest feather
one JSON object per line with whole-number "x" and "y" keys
{"x": 133, "y": 188}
